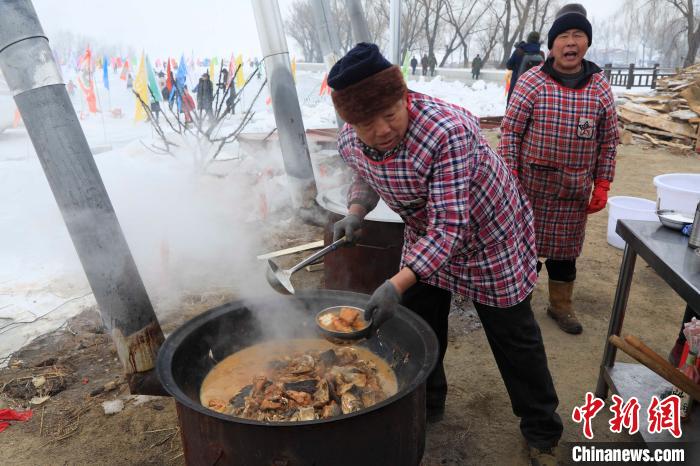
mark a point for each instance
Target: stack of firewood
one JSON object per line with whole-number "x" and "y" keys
{"x": 669, "y": 117}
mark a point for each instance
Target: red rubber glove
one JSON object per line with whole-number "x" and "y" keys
{"x": 599, "y": 197}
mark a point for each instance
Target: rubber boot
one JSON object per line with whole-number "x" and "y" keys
{"x": 560, "y": 306}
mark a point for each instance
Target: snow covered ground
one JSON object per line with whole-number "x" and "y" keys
{"x": 189, "y": 231}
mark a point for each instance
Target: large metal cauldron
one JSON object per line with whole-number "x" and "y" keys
{"x": 389, "y": 433}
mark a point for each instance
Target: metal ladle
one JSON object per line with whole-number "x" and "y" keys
{"x": 280, "y": 279}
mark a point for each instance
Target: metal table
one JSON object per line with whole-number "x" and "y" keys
{"x": 667, "y": 252}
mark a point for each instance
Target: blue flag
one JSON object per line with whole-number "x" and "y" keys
{"x": 105, "y": 71}
{"x": 180, "y": 79}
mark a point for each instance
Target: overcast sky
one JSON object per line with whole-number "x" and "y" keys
{"x": 162, "y": 27}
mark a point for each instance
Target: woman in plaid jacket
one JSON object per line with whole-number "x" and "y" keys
{"x": 468, "y": 227}
{"x": 559, "y": 136}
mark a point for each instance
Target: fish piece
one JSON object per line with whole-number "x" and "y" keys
{"x": 370, "y": 397}
{"x": 306, "y": 385}
{"x": 302, "y": 364}
{"x": 348, "y": 315}
{"x": 322, "y": 395}
{"x": 340, "y": 325}
{"x": 238, "y": 400}
{"x": 349, "y": 403}
{"x": 271, "y": 403}
{"x": 345, "y": 355}
{"x": 331, "y": 410}
{"x": 328, "y": 358}
{"x": 358, "y": 379}
{"x": 306, "y": 413}
{"x": 260, "y": 382}
{"x": 302, "y": 398}
{"x": 217, "y": 405}
{"x": 359, "y": 324}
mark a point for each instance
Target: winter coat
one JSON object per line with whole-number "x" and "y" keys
{"x": 517, "y": 58}
{"x": 468, "y": 227}
{"x": 414, "y": 62}
{"x": 476, "y": 64}
{"x": 205, "y": 93}
{"x": 560, "y": 141}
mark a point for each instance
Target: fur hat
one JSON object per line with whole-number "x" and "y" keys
{"x": 364, "y": 83}
{"x": 570, "y": 16}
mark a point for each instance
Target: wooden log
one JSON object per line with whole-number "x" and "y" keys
{"x": 662, "y": 367}
{"x": 662, "y": 122}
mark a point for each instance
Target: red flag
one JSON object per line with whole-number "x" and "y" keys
{"x": 324, "y": 85}
{"x": 169, "y": 79}
{"x": 125, "y": 70}
{"x": 85, "y": 81}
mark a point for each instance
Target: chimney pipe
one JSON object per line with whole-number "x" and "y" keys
{"x": 40, "y": 94}
{"x": 395, "y": 31}
{"x": 285, "y": 104}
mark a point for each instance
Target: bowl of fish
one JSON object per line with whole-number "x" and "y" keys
{"x": 343, "y": 322}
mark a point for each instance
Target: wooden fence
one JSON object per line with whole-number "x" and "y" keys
{"x": 632, "y": 76}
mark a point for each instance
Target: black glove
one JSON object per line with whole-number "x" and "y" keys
{"x": 347, "y": 227}
{"x": 382, "y": 304}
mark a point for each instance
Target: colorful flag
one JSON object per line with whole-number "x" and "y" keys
{"x": 180, "y": 80}
{"x": 169, "y": 77}
{"x": 231, "y": 70}
{"x": 105, "y": 72}
{"x": 125, "y": 70}
{"x": 85, "y": 81}
{"x": 240, "y": 80}
{"x": 141, "y": 88}
{"x": 325, "y": 88}
{"x": 294, "y": 68}
{"x": 212, "y": 70}
{"x": 152, "y": 82}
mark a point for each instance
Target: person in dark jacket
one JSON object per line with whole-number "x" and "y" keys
{"x": 205, "y": 94}
{"x": 424, "y": 64}
{"x": 414, "y": 63}
{"x": 523, "y": 49}
{"x": 432, "y": 63}
{"x": 476, "y": 66}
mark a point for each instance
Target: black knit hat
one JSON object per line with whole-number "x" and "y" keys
{"x": 570, "y": 16}
{"x": 359, "y": 63}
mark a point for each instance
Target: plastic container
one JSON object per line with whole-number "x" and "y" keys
{"x": 627, "y": 208}
{"x": 678, "y": 191}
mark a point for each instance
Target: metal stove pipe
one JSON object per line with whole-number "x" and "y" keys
{"x": 395, "y": 31}
{"x": 285, "y": 103}
{"x": 328, "y": 37}
{"x": 358, "y": 21}
{"x": 40, "y": 94}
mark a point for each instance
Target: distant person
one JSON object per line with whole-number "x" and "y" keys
{"x": 70, "y": 87}
{"x": 432, "y": 63}
{"x": 526, "y": 55}
{"x": 414, "y": 64}
{"x": 476, "y": 66}
{"x": 129, "y": 82}
{"x": 231, "y": 100}
{"x": 205, "y": 95}
{"x": 258, "y": 66}
{"x": 155, "y": 110}
{"x": 424, "y": 64}
{"x": 223, "y": 80}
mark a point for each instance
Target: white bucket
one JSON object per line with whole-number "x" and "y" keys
{"x": 628, "y": 208}
{"x": 678, "y": 191}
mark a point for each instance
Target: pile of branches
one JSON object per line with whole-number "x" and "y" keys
{"x": 205, "y": 128}
{"x": 670, "y": 117}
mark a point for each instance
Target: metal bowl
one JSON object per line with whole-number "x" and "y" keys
{"x": 363, "y": 332}
{"x": 674, "y": 219}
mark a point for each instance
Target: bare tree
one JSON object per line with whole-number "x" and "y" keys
{"x": 432, "y": 15}
{"x": 488, "y": 36}
{"x": 412, "y": 12}
{"x": 687, "y": 10}
{"x": 515, "y": 21}
{"x": 300, "y": 26}
{"x": 462, "y": 19}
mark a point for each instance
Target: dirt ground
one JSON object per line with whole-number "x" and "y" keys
{"x": 478, "y": 428}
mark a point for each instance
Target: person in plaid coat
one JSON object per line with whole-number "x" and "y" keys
{"x": 559, "y": 135}
{"x": 468, "y": 227}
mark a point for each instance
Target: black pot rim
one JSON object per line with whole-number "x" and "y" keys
{"x": 175, "y": 339}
